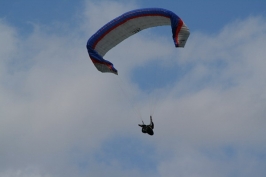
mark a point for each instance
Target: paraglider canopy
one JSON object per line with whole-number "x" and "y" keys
{"x": 129, "y": 24}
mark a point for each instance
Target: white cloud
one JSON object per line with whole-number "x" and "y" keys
{"x": 99, "y": 13}
{"x": 222, "y": 103}
{"x": 57, "y": 110}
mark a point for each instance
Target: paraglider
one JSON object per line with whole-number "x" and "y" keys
{"x": 129, "y": 24}
{"x": 147, "y": 128}
{"x": 126, "y": 25}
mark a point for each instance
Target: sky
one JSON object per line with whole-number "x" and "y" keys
{"x": 60, "y": 117}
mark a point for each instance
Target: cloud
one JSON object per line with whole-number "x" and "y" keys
{"x": 61, "y": 117}
{"x": 97, "y": 14}
{"x": 225, "y": 84}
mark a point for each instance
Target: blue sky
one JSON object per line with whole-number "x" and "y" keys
{"x": 208, "y": 16}
{"x": 59, "y": 116}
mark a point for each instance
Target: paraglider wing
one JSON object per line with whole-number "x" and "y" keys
{"x": 129, "y": 24}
